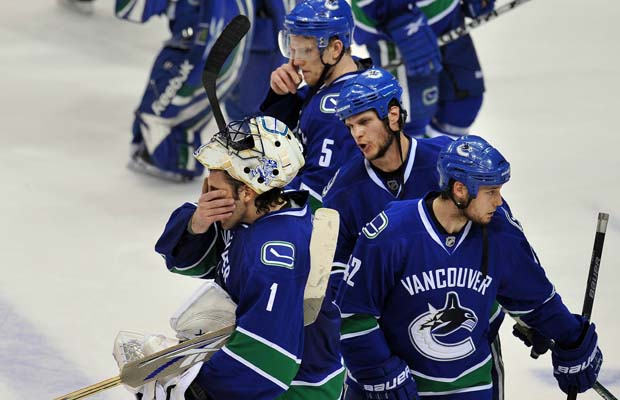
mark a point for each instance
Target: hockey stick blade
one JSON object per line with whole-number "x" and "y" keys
{"x": 595, "y": 263}
{"x": 322, "y": 249}
{"x": 167, "y": 362}
{"x": 223, "y": 47}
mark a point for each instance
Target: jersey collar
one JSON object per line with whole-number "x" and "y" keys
{"x": 410, "y": 160}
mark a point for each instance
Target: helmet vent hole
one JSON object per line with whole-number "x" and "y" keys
{"x": 261, "y": 179}
{"x": 277, "y": 143}
{"x": 246, "y": 170}
{"x": 275, "y": 172}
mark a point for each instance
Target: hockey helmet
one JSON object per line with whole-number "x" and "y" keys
{"x": 261, "y": 152}
{"x": 474, "y": 162}
{"x": 321, "y": 19}
{"x": 373, "y": 89}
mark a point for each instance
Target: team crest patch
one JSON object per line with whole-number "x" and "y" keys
{"x": 445, "y": 334}
{"x": 278, "y": 254}
{"x": 372, "y": 229}
{"x": 265, "y": 170}
{"x": 329, "y": 103}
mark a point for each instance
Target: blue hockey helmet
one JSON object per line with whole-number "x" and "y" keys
{"x": 373, "y": 89}
{"x": 322, "y": 19}
{"x": 474, "y": 162}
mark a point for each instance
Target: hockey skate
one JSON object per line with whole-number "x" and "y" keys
{"x": 140, "y": 161}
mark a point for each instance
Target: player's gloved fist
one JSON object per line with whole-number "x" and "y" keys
{"x": 391, "y": 382}
{"x": 532, "y": 338}
{"x": 476, "y": 8}
{"x": 578, "y": 367}
{"x": 417, "y": 43}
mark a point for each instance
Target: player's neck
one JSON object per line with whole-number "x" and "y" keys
{"x": 392, "y": 160}
{"x": 344, "y": 66}
{"x": 252, "y": 213}
{"x": 452, "y": 219}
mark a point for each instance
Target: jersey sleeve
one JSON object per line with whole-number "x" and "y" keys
{"x": 526, "y": 293}
{"x": 286, "y": 107}
{"x": 187, "y": 254}
{"x": 371, "y": 274}
{"x": 265, "y": 349}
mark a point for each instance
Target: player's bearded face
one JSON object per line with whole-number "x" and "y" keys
{"x": 370, "y": 134}
{"x": 482, "y": 208}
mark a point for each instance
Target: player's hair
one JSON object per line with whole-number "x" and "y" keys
{"x": 264, "y": 202}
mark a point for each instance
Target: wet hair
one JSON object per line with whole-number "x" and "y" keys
{"x": 263, "y": 202}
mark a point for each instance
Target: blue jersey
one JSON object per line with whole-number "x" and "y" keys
{"x": 358, "y": 193}
{"x": 263, "y": 267}
{"x": 327, "y": 141}
{"x": 416, "y": 294}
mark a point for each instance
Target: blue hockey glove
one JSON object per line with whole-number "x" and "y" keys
{"x": 417, "y": 43}
{"x": 578, "y": 367}
{"x": 476, "y": 8}
{"x": 532, "y": 338}
{"x": 393, "y": 381}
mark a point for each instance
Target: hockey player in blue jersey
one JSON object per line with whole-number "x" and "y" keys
{"x": 424, "y": 275}
{"x": 393, "y": 167}
{"x": 316, "y": 38}
{"x": 389, "y": 165}
{"x": 258, "y": 236}
{"x": 443, "y": 87}
{"x": 174, "y": 108}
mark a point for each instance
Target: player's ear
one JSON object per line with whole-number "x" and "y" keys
{"x": 337, "y": 49}
{"x": 459, "y": 190}
{"x": 394, "y": 117}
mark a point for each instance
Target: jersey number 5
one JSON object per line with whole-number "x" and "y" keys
{"x": 326, "y": 153}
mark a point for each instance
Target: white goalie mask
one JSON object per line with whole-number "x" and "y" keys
{"x": 261, "y": 152}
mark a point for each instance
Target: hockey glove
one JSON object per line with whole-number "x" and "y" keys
{"x": 393, "y": 381}
{"x": 476, "y": 8}
{"x": 532, "y": 338}
{"x": 417, "y": 43}
{"x": 579, "y": 367}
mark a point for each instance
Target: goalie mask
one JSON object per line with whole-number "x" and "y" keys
{"x": 261, "y": 152}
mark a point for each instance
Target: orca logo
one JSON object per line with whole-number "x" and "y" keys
{"x": 426, "y": 331}
{"x": 278, "y": 254}
{"x": 463, "y": 150}
{"x": 374, "y": 227}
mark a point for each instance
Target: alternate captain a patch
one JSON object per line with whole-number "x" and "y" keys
{"x": 278, "y": 254}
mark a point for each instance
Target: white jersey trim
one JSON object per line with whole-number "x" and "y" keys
{"x": 410, "y": 160}
{"x": 321, "y": 382}
{"x": 431, "y": 232}
{"x": 462, "y": 374}
{"x": 360, "y": 333}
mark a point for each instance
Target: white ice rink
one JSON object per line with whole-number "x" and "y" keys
{"x": 78, "y": 229}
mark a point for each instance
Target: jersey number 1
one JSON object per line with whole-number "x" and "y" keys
{"x": 272, "y": 296}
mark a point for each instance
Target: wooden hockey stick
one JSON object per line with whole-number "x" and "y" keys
{"x": 595, "y": 263}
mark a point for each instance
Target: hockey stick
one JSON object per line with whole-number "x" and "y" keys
{"x": 223, "y": 47}
{"x": 176, "y": 359}
{"x": 595, "y": 263}
{"x": 476, "y": 22}
{"x": 167, "y": 362}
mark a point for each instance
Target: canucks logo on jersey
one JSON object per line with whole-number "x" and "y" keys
{"x": 431, "y": 332}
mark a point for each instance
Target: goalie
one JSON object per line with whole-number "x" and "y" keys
{"x": 254, "y": 239}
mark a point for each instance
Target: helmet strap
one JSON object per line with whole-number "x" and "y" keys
{"x": 458, "y": 204}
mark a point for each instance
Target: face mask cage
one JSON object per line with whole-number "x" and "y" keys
{"x": 242, "y": 138}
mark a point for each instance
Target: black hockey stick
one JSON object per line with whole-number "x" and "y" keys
{"x": 467, "y": 27}
{"x": 595, "y": 263}
{"x": 225, "y": 44}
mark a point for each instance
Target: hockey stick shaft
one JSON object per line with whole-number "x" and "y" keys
{"x": 476, "y": 22}
{"x": 223, "y": 47}
{"x": 92, "y": 389}
{"x": 595, "y": 263}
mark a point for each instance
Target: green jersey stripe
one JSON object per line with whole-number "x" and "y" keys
{"x": 476, "y": 378}
{"x": 437, "y": 9}
{"x": 255, "y": 369}
{"x": 328, "y": 389}
{"x": 362, "y": 20}
{"x": 358, "y": 323}
{"x": 265, "y": 359}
